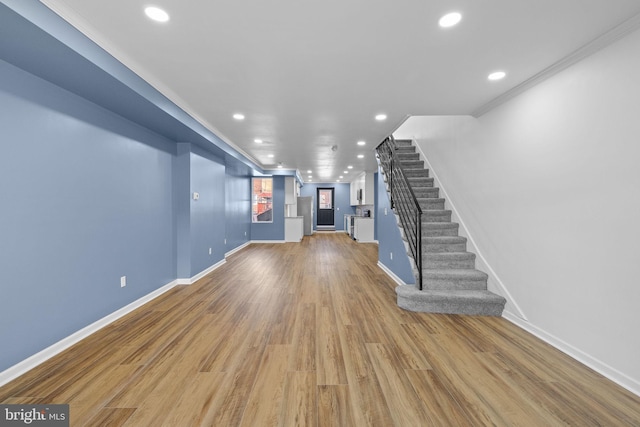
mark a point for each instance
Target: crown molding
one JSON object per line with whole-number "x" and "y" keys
{"x": 600, "y": 42}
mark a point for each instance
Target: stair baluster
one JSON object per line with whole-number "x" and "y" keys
{"x": 403, "y": 200}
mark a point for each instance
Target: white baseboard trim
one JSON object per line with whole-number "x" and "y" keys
{"x": 391, "y": 274}
{"x": 611, "y": 373}
{"x": 200, "y": 275}
{"x": 54, "y": 349}
{"x": 233, "y": 251}
{"x": 268, "y": 241}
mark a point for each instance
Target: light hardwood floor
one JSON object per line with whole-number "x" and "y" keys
{"x": 309, "y": 335}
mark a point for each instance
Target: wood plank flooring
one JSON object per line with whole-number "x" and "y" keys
{"x": 309, "y": 334}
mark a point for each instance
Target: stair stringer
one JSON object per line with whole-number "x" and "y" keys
{"x": 494, "y": 283}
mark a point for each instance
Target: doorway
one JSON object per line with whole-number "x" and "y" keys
{"x": 326, "y": 211}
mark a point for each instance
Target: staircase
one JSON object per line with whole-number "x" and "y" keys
{"x": 450, "y": 282}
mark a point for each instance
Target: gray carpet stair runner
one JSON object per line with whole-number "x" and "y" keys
{"x": 451, "y": 284}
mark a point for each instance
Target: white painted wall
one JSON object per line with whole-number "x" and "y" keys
{"x": 548, "y": 185}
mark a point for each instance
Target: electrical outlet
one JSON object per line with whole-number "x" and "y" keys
{"x": 123, "y": 281}
{"x": 209, "y": 251}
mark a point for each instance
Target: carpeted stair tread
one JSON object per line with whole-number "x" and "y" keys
{"x": 431, "y": 203}
{"x": 439, "y": 229}
{"x": 469, "y": 302}
{"x": 408, "y": 155}
{"x": 439, "y": 215}
{"x": 427, "y": 193}
{"x": 412, "y": 164}
{"x": 441, "y": 240}
{"x": 428, "y": 225}
{"x": 453, "y": 255}
{"x": 454, "y": 279}
{"x": 422, "y": 192}
{"x": 444, "y": 244}
{"x": 454, "y": 273}
{"x": 436, "y": 212}
{"x": 442, "y": 260}
{"x": 420, "y": 182}
{"x": 416, "y": 173}
{"x": 404, "y": 143}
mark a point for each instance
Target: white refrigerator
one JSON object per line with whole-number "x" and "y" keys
{"x": 305, "y": 210}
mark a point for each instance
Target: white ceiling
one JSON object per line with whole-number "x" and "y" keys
{"x": 310, "y": 75}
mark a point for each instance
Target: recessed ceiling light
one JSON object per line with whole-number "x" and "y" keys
{"x": 381, "y": 117}
{"x": 279, "y": 166}
{"x": 341, "y": 177}
{"x": 270, "y": 156}
{"x": 258, "y": 141}
{"x": 497, "y": 75}
{"x": 238, "y": 116}
{"x": 349, "y": 167}
{"x": 361, "y": 156}
{"x": 450, "y": 19}
{"x": 156, "y": 14}
{"x": 361, "y": 143}
{"x": 345, "y": 171}
{"x": 309, "y": 171}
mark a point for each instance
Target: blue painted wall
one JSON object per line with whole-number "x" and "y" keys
{"x": 237, "y": 203}
{"x": 200, "y": 224}
{"x": 272, "y": 230}
{"x": 375, "y": 204}
{"x": 181, "y": 208}
{"x": 341, "y": 200}
{"x": 86, "y": 198}
{"x": 89, "y": 196}
{"x": 208, "y": 212}
{"x": 389, "y": 238}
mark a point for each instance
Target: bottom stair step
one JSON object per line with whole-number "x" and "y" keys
{"x": 469, "y": 302}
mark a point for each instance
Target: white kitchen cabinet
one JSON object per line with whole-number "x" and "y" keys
{"x": 290, "y": 190}
{"x": 293, "y": 229}
{"x": 353, "y": 192}
{"x": 363, "y": 229}
{"x": 361, "y": 189}
{"x": 368, "y": 194}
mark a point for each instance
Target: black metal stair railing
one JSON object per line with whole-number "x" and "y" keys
{"x": 403, "y": 200}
